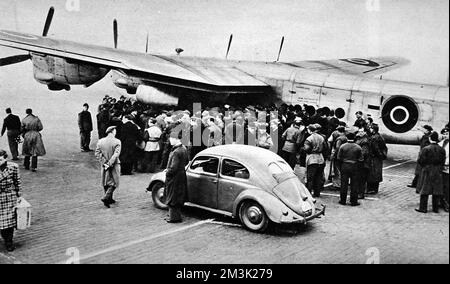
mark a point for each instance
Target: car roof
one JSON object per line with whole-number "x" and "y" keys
{"x": 252, "y": 155}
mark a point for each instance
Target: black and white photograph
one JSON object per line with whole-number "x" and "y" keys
{"x": 323, "y": 126}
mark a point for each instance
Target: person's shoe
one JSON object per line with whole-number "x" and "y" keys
{"x": 33, "y": 170}
{"x": 342, "y": 203}
{"x": 355, "y": 204}
{"x": 420, "y": 211}
{"x": 112, "y": 201}
{"x": 106, "y": 203}
{"x": 361, "y": 196}
{"x": 10, "y": 246}
{"x": 27, "y": 168}
{"x": 436, "y": 211}
{"x": 446, "y": 209}
{"x": 411, "y": 186}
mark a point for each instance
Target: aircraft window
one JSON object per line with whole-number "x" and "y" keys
{"x": 234, "y": 169}
{"x": 205, "y": 165}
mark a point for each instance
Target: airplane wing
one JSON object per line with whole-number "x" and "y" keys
{"x": 206, "y": 76}
{"x": 355, "y": 66}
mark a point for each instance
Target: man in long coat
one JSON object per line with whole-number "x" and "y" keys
{"x": 445, "y": 145}
{"x": 129, "y": 136}
{"x": 33, "y": 146}
{"x": 432, "y": 161}
{"x": 108, "y": 152}
{"x": 85, "y": 126}
{"x": 424, "y": 142}
{"x": 378, "y": 153}
{"x": 102, "y": 121}
{"x": 176, "y": 181}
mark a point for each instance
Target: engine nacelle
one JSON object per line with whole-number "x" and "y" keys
{"x": 150, "y": 95}
{"x": 59, "y": 73}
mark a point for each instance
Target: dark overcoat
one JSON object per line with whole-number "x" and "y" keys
{"x": 431, "y": 160}
{"x": 378, "y": 153}
{"x": 424, "y": 142}
{"x": 85, "y": 121}
{"x": 129, "y": 136}
{"x": 176, "y": 181}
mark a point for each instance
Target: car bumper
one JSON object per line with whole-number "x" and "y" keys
{"x": 297, "y": 219}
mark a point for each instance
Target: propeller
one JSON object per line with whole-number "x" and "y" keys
{"x": 281, "y": 48}
{"x": 116, "y": 33}
{"x": 20, "y": 58}
{"x": 14, "y": 59}
{"x": 229, "y": 46}
{"x": 48, "y": 22}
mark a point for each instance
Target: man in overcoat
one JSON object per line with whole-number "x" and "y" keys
{"x": 432, "y": 161}
{"x": 33, "y": 146}
{"x": 424, "y": 141}
{"x": 85, "y": 126}
{"x": 176, "y": 181}
{"x": 445, "y": 145}
{"x": 378, "y": 153}
{"x": 129, "y": 136}
{"x": 108, "y": 152}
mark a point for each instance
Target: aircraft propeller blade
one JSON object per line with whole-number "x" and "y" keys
{"x": 48, "y": 21}
{"x": 229, "y": 46}
{"x": 281, "y": 48}
{"x": 116, "y": 33}
{"x": 146, "y": 44}
{"x": 14, "y": 59}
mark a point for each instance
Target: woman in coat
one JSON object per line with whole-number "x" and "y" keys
{"x": 432, "y": 161}
{"x": 33, "y": 146}
{"x": 176, "y": 181}
{"x": 10, "y": 186}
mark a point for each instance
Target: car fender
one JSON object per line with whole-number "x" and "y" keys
{"x": 158, "y": 177}
{"x": 273, "y": 207}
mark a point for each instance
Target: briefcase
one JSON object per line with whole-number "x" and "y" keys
{"x": 23, "y": 214}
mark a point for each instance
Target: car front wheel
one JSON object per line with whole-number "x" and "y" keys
{"x": 158, "y": 195}
{"x": 253, "y": 217}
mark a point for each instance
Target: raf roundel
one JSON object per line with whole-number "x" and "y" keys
{"x": 363, "y": 62}
{"x": 400, "y": 114}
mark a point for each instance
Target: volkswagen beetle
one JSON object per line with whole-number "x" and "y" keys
{"x": 245, "y": 182}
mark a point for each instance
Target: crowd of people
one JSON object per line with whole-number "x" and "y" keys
{"x": 303, "y": 136}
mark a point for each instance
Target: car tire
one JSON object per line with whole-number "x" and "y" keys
{"x": 253, "y": 217}
{"x": 158, "y": 196}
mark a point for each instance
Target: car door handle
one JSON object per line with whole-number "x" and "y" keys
{"x": 214, "y": 181}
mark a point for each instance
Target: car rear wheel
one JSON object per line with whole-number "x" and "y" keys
{"x": 253, "y": 217}
{"x": 158, "y": 195}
